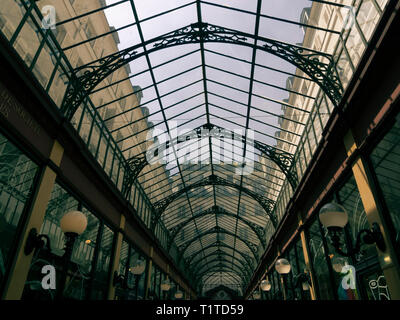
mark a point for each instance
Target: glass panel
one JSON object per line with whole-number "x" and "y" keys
{"x": 17, "y": 175}
{"x": 386, "y": 162}
{"x": 319, "y": 263}
{"x": 100, "y": 283}
{"x": 11, "y": 13}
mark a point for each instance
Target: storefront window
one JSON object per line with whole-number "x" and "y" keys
{"x": 123, "y": 269}
{"x": 305, "y": 295}
{"x": 101, "y": 276}
{"x": 17, "y": 176}
{"x": 83, "y": 281}
{"x": 319, "y": 262}
{"x": 366, "y": 264}
{"x": 277, "y": 294}
{"x": 386, "y": 162}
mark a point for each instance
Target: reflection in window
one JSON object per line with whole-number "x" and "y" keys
{"x": 319, "y": 263}
{"x": 80, "y": 273}
{"x": 351, "y": 200}
{"x": 386, "y": 162}
{"x": 17, "y": 174}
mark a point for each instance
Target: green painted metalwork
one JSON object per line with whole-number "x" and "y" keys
{"x": 85, "y": 78}
{"x": 213, "y": 180}
{"x": 217, "y": 211}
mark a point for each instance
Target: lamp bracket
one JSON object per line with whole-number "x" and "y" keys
{"x": 36, "y": 241}
{"x": 367, "y": 236}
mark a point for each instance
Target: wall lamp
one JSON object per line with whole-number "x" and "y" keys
{"x": 265, "y": 285}
{"x": 282, "y": 266}
{"x": 179, "y": 294}
{"x": 334, "y": 217}
{"x": 36, "y": 241}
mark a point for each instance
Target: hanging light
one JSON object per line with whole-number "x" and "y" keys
{"x": 282, "y": 266}
{"x": 265, "y": 285}
{"x": 178, "y": 294}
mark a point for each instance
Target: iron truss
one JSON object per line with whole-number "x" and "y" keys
{"x": 85, "y": 78}
{"x": 217, "y": 211}
{"x": 222, "y": 258}
{"x": 253, "y": 247}
{"x": 212, "y": 180}
{"x": 282, "y": 159}
{"x": 219, "y": 245}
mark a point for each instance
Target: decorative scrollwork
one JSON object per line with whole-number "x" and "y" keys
{"x": 161, "y": 205}
{"x": 133, "y": 167}
{"x": 85, "y": 78}
{"x": 217, "y": 211}
{"x": 252, "y": 247}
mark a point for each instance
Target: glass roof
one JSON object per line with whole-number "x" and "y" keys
{"x": 202, "y": 66}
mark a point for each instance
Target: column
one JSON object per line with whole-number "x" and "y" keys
{"x": 307, "y": 260}
{"x": 148, "y": 274}
{"x": 115, "y": 258}
{"x": 366, "y": 188}
{"x": 21, "y": 265}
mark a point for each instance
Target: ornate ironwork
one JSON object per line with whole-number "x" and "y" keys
{"x": 216, "y": 210}
{"x": 220, "y": 254}
{"x": 217, "y": 229}
{"x": 221, "y": 259}
{"x": 134, "y": 166}
{"x": 85, "y": 78}
{"x": 161, "y": 205}
{"x": 220, "y": 244}
{"x": 219, "y": 268}
{"x": 282, "y": 159}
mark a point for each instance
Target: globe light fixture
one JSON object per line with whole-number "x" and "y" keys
{"x": 165, "y": 285}
{"x": 265, "y": 285}
{"x": 73, "y": 222}
{"x": 334, "y": 217}
{"x": 282, "y": 266}
{"x": 139, "y": 268}
{"x": 257, "y": 295}
{"x": 338, "y": 263}
{"x": 178, "y": 294}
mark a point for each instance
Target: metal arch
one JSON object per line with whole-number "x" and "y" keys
{"x": 161, "y": 205}
{"x": 133, "y": 166}
{"x": 85, "y": 78}
{"x": 220, "y": 254}
{"x": 226, "y": 263}
{"x": 185, "y": 246}
{"x": 220, "y": 244}
{"x": 232, "y": 265}
{"x": 258, "y": 230}
{"x": 237, "y": 278}
{"x": 283, "y": 160}
{"x": 222, "y": 268}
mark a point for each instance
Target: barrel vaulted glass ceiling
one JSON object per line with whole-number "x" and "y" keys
{"x": 223, "y": 92}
